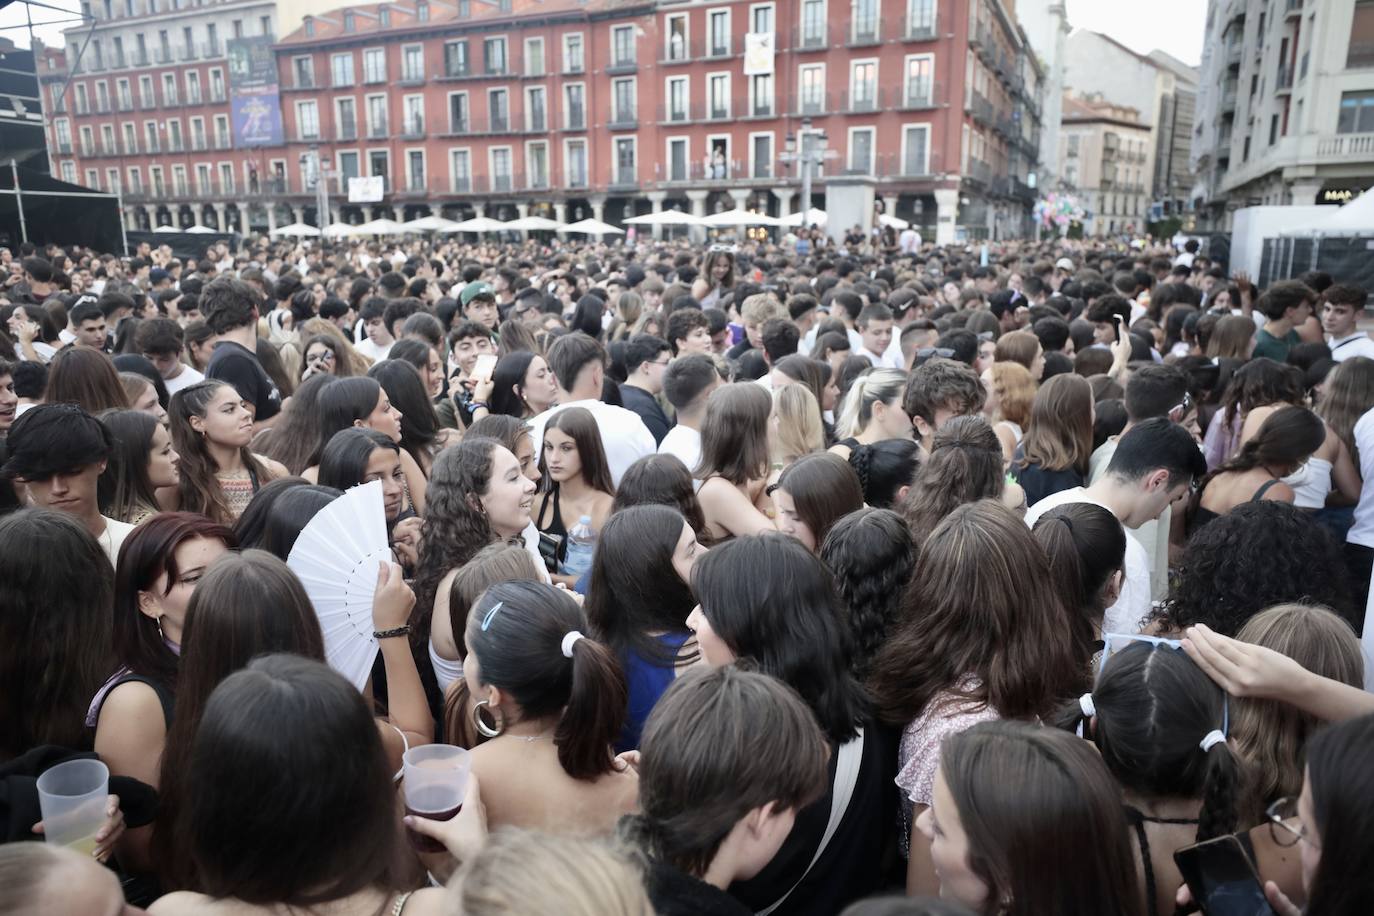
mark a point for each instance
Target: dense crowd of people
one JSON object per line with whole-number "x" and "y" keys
{"x": 869, "y": 577}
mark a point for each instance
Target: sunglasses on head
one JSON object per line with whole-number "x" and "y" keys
{"x": 928, "y": 352}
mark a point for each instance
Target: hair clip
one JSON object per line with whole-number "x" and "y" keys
{"x": 1211, "y": 740}
{"x": 486, "y": 621}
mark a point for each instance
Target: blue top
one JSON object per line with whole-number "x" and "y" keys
{"x": 646, "y": 680}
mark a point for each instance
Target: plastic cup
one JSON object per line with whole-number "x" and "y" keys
{"x": 72, "y": 797}
{"x": 435, "y": 781}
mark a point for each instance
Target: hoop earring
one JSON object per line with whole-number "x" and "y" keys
{"x": 483, "y": 729}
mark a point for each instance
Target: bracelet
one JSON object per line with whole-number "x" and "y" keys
{"x": 482, "y": 404}
{"x": 403, "y": 630}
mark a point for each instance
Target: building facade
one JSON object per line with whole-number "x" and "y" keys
{"x": 1286, "y": 106}
{"x": 572, "y": 108}
{"x": 1105, "y": 161}
{"x": 1047, "y": 26}
{"x": 1161, "y": 89}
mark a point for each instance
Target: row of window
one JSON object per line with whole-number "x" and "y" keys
{"x": 152, "y": 137}
{"x": 167, "y": 46}
{"x": 678, "y": 165}
{"x": 172, "y": 95}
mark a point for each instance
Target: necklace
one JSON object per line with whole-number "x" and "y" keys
{"x": 529, "y": 738}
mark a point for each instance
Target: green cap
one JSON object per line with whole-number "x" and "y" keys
{"x": 474, "y": 290}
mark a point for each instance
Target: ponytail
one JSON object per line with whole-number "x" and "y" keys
{"x": 852, "y": 413}
{"x": 872, "y": 386}
{"x": 596, "y": 709}
{"x": 1220, "y": 789}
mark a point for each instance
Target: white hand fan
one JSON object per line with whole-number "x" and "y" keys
{"x": 336, "y": 559}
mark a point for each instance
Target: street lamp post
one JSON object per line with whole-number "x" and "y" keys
{"x": 811, "y": 154}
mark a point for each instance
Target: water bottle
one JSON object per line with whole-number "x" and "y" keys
{"x": 581, "y": 546}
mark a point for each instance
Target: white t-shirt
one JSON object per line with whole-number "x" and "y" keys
{"x": 1153, "y": 535}
{"x": 909, "y": 241}
{"x": 115, "y": 533}
{"x": 1362, "y": 532}
{"x": 369, "y": 349}
{"x": 856, "y": 342}
{"x": 1357, "y": 344}
{"x": 886, "y": 360}
{"x": 188, "y": 377}
{"x": 623, "y": 434}
{"x": 684, "y": 443}
{"x": 1133, "y": 604}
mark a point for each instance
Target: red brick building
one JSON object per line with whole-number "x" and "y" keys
{"x": 609, "y": 108}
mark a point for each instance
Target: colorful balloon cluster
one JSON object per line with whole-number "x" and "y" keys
{"x": 1057, "y": 211}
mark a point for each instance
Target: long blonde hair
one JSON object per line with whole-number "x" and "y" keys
{"x": 1271, "y": 735}
{"x": 1347, "y": 393}
{"x": 577, "y": 877}
{"x": 357, "y": 363}
{"x": 872, "y": 386}
{"x": 797, "y": 430}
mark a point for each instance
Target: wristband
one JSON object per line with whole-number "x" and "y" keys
{"x": 403, "y": 630}
{"x": 482, "y": 404}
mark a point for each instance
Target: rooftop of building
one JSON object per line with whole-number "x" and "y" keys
{"x": 402, "y": 17}
{"x": 1093, "y": 108}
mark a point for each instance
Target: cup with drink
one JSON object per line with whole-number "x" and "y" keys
{"x": 435, "y": 782}
{"x": 72, "y": 798}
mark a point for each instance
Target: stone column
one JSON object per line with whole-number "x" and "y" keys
{"x": 560, "y": 213}
{"x": 271, "y": 218}
{"x": 656, "y": 199}
{"x": 784, "y": 196}
{"x": 222, "y": 217}
{"x": 741, "y": 196}
{"x": 890, "y": 204}
{"x": 197, "y": 214}
{"x": 298, "y": 216}
{"x": 524, "y": 211}
{"x": 598, "y": 205}
{"x": 698, "y": 199}
{"x": 946, "y": 213}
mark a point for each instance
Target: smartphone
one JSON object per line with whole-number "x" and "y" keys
{"x": 1222, "y": 879}
{"x": 481, "y": 371}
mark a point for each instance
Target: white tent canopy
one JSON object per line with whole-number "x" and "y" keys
{"x": 533, "y": 224}
{"x": 429, "y": 224}
{"x": 593, "y": 227}
{"x": 673, "y": 217}
{"x": 1355, "y": 218}
{"x": 295, "y": 229}
{"x": 202, "y": 230}
{"x": 380, "y": 227}
{"x": 339, "y": 230}
{"x": 740, "y": 217}
{"x": 480, "y": 224}
{"x": 893, "y": 221}
{"x": 814, "y": 217}
{"x": 167, "y": 229}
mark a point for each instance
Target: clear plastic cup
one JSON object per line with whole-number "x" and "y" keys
{"x": 72, "y": 797}
{"x": 435, "y": 781}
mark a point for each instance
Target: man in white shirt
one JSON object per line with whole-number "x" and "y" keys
{"x": 1359, "y": 541}
{"x": 909, "y": 241}
{"x": 377, "y": 344}
{"x": 161, "y": 340}
{"x": 56, "y": 452}
{"x": 1341, "y": 307}
{"x": 687, "y": 383}
{"x": 579, "y": 364}
{"x": 876, "y": 331}
{"x": 1151, "y": 391}
{"x": 1155, "y": 463}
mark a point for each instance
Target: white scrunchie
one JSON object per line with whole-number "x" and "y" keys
{"x": 1212, "y": 739}
{"x": 569, "y": 641}
{"x": 1085, "y": 703}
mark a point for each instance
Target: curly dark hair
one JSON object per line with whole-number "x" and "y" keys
{"x": 1256, "y": 556}
{"x": 871, "y": 556}
{"x": 455, "y": 525}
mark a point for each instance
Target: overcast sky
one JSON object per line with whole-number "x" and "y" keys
{"x": 1173, "y": 26}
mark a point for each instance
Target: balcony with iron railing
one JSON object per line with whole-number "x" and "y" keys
{"x": 922, "y": 27}
{"x": 624, "y": 178}
{"x": 536, "y": 121}
{"x": 1228, "y": 97}
{"x": 921, "y": 92}
{"x": 223, "y": 142}
{"x": 979, "y": 171}
{"x": 862, "y": 101}
{"x": 1292, "y": 8}
{"x": 623, "y": 119}
{"x": 1284, "y": 81}
{"x": 622, "y": 63}
{"x": 810, "y": 103}
{"x": 864, "y": 32}
{"x": 199, "y": 144}
{"x": 303, "y": 80}
{"x": 684, "y": 113}
{"x": 413, "y": 128}
{"x": 980, "y": 108}
{"x": 575, "y": 118}
{"x": 915, "y": 165}
{"x": 377, "y": 130}
{"x": 102, "y": 106}
{"x": 126, "y": 102}
{"x": 678, "y": 50}
{"x": 347, "y": 129}
{"x": 412, "y": 77}
{"x": 187, "y": 52}
{"x": 217, "y": 96}
{"x": 140, "y": 59}
{"x": 458, "y": 125}
{"x": 493, "y": 125}
{"x": 810, "y": 37}
{"x": 64, "y": 147}
{"x": 211, "y": 49}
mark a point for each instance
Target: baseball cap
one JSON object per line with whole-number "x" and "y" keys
{"x": 476, "y": 289}
{"x": 157, "y": 275}
{"x": 1064, "y": 264}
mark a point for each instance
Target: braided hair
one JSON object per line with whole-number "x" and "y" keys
{"x": 884, "y": 468}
